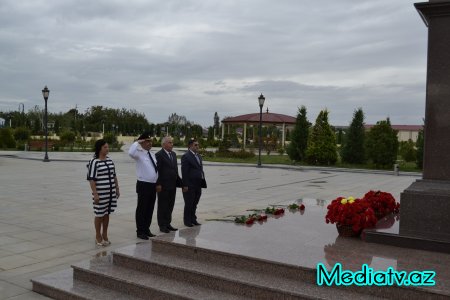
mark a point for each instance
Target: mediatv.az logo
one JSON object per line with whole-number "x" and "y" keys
{"x": 367, "y": 276}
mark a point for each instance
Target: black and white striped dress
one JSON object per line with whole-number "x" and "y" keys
{"x": 103, "y": 173}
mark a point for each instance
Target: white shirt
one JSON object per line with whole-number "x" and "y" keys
{"x": 145, "y": 171}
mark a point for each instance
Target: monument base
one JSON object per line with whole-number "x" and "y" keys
{"x": 424, "y": 222}
{"x": 273, "y": 259}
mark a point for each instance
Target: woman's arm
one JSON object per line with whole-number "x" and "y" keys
{"x": 94, "y": 191}
{"x": 117, "y": 186}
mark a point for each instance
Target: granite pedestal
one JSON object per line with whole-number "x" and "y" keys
{"x": 276, "y": 259}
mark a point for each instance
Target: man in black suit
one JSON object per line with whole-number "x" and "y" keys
{"x": 193, "y": 182}
{"x": 167, "y": 183}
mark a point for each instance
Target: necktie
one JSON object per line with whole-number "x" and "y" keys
{"x": 200, "y": 164}
{"x": 198, "y": 159}
{"x": 153, "y": 162}
{"x": 170, "y": 157}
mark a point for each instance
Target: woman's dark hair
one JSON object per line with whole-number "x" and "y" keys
{"x": 98, "y": 146}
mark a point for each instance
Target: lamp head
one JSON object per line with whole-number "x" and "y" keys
{"x": 45, "y": 93}
{"x": 261, "y": 100}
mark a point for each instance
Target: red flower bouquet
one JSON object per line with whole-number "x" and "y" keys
{"x": 350, "y": 213}
{"x": 295, "y": 206}
{"x": 382, "y": 203}
{"x": 250, "y": 219}
{"x": 274, "y": 211}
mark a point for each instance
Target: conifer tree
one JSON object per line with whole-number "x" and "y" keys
{"x": 321, "y": 148}
{"x": 382, "y": 144}
{"x": 353, "y": 150}
{"x": 299, "y": 136}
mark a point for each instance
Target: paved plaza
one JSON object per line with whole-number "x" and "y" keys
{"x": 46, "y": 218}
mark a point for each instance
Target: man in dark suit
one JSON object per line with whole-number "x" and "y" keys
{"x": 193, "y": 182}
{"x": 166, "y": 185}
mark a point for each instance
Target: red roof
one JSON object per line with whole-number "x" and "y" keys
{"x": 267, "y": 117}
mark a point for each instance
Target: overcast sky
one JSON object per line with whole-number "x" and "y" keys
{"x": 196, "y": 57}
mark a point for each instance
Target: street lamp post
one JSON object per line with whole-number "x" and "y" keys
{"x": 261, "y": 104}
{"x": 45, "y": 93}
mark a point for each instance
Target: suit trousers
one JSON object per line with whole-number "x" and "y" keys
{"x": 191, "y": 199}
{"x": 166, "y": 202}
{"x": 146, "y": 192}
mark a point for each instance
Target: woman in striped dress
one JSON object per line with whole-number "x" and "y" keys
{"x": 105, "y": 190}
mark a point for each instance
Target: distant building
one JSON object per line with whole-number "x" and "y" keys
{"x": 405, "y": 132}
{"x": 2, "y": 122}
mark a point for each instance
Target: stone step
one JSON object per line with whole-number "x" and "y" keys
{"x": 61, "y": 285}
{"x": 227, "y": 273}
{"x": 102, "y": 272}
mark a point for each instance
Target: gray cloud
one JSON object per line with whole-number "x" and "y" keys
{"x": 208, "y": 56}
{"x": 170, "y": 87}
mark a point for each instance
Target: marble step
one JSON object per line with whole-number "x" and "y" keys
{"x": 227, "y": 273}
{"x": 103, "y": 273}
{"x": 217, "y": 268}
{"x": 61, "y": 285}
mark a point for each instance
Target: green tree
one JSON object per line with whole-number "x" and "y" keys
{"x": 299, "y": 136}
{"x": 322, "y": 148}
{"x": 353, "y": 150}
{"x": 210, "y": 134}
{"x": 22, "y": 134}
{"x": 68, "y": 138}
{"x": 6, "y": 138}
{"x": 382, "y": 144}
{"x": 111, "y": 139}
{"x": 419, "y": 152}
{"x": 216, "y": 124}
{"x": 407, "y": 150}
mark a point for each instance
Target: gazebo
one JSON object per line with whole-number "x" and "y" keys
{"x": 268, "y": 118}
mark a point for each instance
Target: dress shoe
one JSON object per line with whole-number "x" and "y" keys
{"x": 150, "y": 234}
{"x": 165, "y": 230}
{"x": 196, "y": 223}
{"x": 142, "y": 236}
{"x": 172, "y": 228}
{"x": 188, "y": 225}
